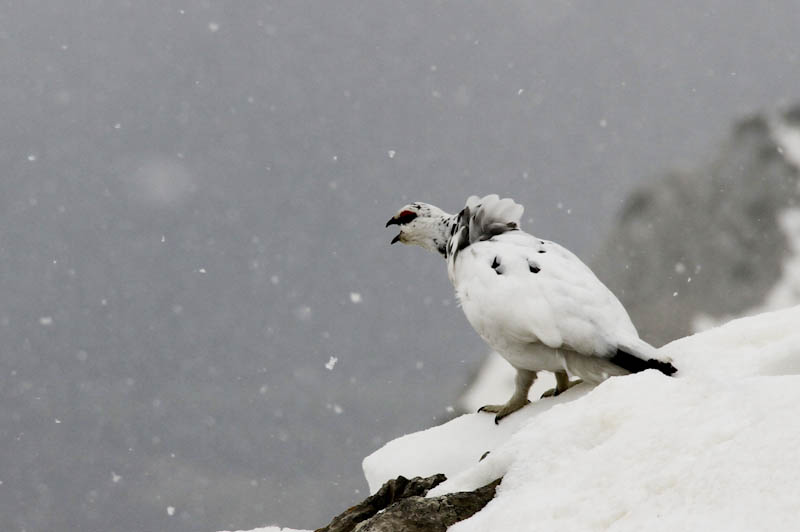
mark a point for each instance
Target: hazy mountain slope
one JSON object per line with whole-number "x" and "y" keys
{"x": 706, "y": 241}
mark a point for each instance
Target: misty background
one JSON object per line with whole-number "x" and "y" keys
{"x": 202, "y": 324}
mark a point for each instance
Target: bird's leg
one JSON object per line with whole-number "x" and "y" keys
{"x": 562, "y": 385}
{"x": 523, "y": 382}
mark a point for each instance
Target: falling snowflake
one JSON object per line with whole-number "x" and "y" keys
{"x": 303, "y": 313}
{"x": 331, "y": 363}
{"x": 355, "y": 297}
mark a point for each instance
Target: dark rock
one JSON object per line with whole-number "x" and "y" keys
{"x": 400, "y": 506}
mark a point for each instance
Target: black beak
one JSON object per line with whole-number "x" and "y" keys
{"x": 396, "y": 239}
{"x": 393, "y": 221}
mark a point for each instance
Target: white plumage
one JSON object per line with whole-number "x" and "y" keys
{"x": 531, "y": 300}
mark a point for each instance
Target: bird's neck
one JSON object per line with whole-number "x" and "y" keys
{"x": 439, "y": 231}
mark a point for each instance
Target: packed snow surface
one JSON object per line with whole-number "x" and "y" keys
{"x": 715, "y": 448}
{"x": 275, "y": 529}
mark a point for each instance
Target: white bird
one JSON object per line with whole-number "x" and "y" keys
{"x": 531, "y": 300}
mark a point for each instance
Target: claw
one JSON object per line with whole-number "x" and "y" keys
{"x": 502, "y": 410}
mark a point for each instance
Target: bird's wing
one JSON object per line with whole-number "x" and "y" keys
{"x": 518, "y": 286}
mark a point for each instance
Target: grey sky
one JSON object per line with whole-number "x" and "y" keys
{"x": 191, "y": 191}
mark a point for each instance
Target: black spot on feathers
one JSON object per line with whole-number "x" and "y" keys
{"x": 496, "y": 266}
{"x": 534, "y": 268}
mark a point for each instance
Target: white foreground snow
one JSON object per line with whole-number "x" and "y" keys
{"x": 275, "y": 529}
{"x": 715, "y": 448}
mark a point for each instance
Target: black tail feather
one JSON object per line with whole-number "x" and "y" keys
{"x": 635, "y": 364}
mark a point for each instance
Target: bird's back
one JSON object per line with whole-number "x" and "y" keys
{"x": 517, "y": 286}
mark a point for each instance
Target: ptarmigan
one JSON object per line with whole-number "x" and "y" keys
{"x": 531, "y": 300}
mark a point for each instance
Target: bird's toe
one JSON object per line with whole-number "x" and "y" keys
{"x": 552, "y": 392}
{"x": 502, "y": 410}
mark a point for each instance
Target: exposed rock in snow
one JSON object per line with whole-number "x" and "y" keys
{"x": 400, "y": 506}
{"x": 392, "y": 491}
{"x": 716, "y": 447}
{"x": 435, "y": 514}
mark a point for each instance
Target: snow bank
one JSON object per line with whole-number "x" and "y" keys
{"x": 717, "y": 447}
{"x": 452, "y": 447}
{"x": 274, "y": 529}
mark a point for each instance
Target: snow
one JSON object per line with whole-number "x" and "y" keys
{"x": 453, "y": 447}
{"x": 788, "y": 139}
{"x": 786, "y": 291}
{"x": 276, "y": 529}
{"x": 717, "y": 447}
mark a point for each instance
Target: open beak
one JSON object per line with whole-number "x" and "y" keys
{"x": 394, "y": 220}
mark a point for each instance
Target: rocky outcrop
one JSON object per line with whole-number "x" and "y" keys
{"x": 400, "y": 506}
{"x": 705, "y": 242}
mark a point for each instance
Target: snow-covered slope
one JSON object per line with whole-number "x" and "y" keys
{"x": 275, "y": 529}
{"x": 717, "y": 447}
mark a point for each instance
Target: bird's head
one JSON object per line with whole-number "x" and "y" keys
{"x": 423, "y": 225}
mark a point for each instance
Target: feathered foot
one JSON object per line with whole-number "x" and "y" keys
{"x": 503, "y": 410}
{"x": 523, "y": 383}
{"x": 562, "y": 385}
